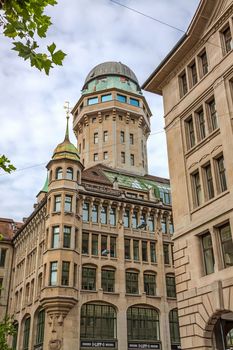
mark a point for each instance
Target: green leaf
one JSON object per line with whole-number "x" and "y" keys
{"x": 58, "y": 57}
{"x": 51, "y": 48}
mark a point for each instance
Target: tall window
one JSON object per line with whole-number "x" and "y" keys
{"x": 69, "y": 174}
{"x": 85, "y": 243}
{"x": 201, "y": 124}
{"x": 152, "y": 252}
{"x": 94, "y": 246}
{"x": 164, "y": 224}
{"x": 105, "y": 155}
{"x": 142, "y": 323}
{"x": 197, "y": 189}
{"x": 1, "y": 285}
{"x": 96, "y": 137}
{"x": 2, "y": 256}
{"x": 40, "y": 328}
{"x": 208, "y": 253}
{"x": 127, "y": 249}
{"x": 104, "y": 210}
{"x": 151, "y": 223}
{"x": 132, "y": 159}
{"x": 95, "y": 215}
{"x": 66, "y": 236}
{"x": 122, "y": 137}
{"x": 65, "y": 273}
{"x": 136, "y": 250}
{"x": 166, "y": 254}
{"x": 53, "y": 273}
{"x": 221, "y": 174}
{"x": 213, "y": 114}
{"x": 204, "y": 63}
{"x": 55, "y": 237}
{"x": 105, "y": 136}
{"x": 227, "y": 39}
{"x": 57, "y": 203}
{"x": 131, "y": 282}
{"x": 126, "y": 218}
{"x": 144, "y": 251}
{"x": 15, "y": 335}
{"x": 85, "y": 211}
{"x": 26, "y": 333}
{"x": 190, "y": 132}
{"x": 193, "y": 70}
{"x": 209, "y": 181}
{"x": 68, "y": 203}
{"x": 150, "y": 283}
{"x": 108, "y": 280}
{"x": 171, "y": 285}
{"x": 174, "y": 327}
{"x": 89, "y": 278}
{"x": 98, "y": 321}
{"x": 123, "y": 157}
{"x": 183, "y": 84}
{"x": 227, "y": 244}
{"x": 58, "y": 173}
{"x": 104, "y": 240}
{"x": 131, "y": 139}
{"x": 112, "y": 247}
{"x": 135, "y": 219}
{"x": 112, "y": 218}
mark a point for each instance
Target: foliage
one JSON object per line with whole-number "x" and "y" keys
{"x": 6, "y": 165}
{"x": 6, "y": 328}
{"x": 24, "y": 21}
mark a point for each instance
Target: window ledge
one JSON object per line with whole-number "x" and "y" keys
{"x": 171, "y": 298}
{"x": 202, "y": 142}
{"x": 132, "y": 295}
{"x": 220, "y": 195}
{"x": 111, "y": 293}
{"x": 56, "y": 213}
{"x": 88, "y": 291}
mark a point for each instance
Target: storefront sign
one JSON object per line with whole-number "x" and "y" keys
{"x": 144, "y": 346}
{"x": 98, "y": 344}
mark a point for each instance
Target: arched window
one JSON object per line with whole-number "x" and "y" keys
{"x": 174, "y": 327}
{"x": 26, "y": 333}
{"x": 69, "y": 174}
{"x": 40, "y": 328}
{"x": 150, "y": 283}
{"x": 171, "y": 285}
{"x": 58, "y": 173}
{"x": 131, "y": 279}
{"x": 15, "y": 335}
{"x": 89, "y": 278}
{"x": 142, "y": 323}
{"x": 98, "y": 321}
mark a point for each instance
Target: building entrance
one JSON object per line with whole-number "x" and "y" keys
{"x": 223, "y": 332}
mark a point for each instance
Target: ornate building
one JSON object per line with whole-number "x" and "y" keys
{"x": 93, "y": 264}
{"x": 196, "y": 81}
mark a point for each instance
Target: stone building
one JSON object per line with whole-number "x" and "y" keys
{"x": 196, "y": 82}
{"x": 93, "y": 264}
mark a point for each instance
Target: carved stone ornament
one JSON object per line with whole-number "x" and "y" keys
{"x": 55, "y": 344}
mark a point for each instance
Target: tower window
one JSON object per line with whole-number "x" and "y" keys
{"x": 96, "y": 138}
{"x": 123, "y": 157}
{"x": 105, "y": 98}
{"x": 131, "y": 139}
{"x": 57, "y": 203}
{"x": 122, "y": 137}
{"x": 69, "y": 174}
{"x": 121, "y": 98}
{"x": 105, "y": 136}
{"x": 58, "y": 173}
{"x": 92, "y": 100}
{"x": 68, "y": 203}
{"x": 65, "y": 273}
{"x": 134, "y": 102}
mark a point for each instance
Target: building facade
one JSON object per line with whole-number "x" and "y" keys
{"x": 196, "y": 81}
{"x": 93, "y": 264}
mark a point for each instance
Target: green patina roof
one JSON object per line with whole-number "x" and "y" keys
{"x": 46, "y": 184}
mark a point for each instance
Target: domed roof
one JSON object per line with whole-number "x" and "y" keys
{"x": 111, "y": 68}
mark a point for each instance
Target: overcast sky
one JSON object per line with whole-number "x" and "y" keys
{"x": 31, "y": 104}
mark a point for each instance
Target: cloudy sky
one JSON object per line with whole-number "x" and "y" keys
{"x": 31, "y": 104}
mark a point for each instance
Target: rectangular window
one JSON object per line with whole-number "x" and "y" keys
{"x": 136, "y": 250}
{"x": 112, "y": 216}
{"x": 83, "y": 143}
{"x": 127, "y": 249}
{"x": 85, "y": 243}
{"x": 171, "y": 227}
{"x": 85, "y": 211}
{"x": 213, "y": 115}
{"x": 65, "y": 273}
{"x": 227, "y": 244}
{"x": 221, "y": 174}
{"x": 227, "y": 39}
{"x": 67, "y": 237}
{"x": 171, "y": 286}
{"x": 75, "y": 274}
{"x": 166, "y": 253}
{"x": 204, "y": 63}
{"x": 1, "y": 286}
{"x": 121, "y": 98}
{"x": 164, "y": 224}
{"x": 96, "y": 138}
{"x": 88, "y": 278}
{"x": 57, "y": 203}
{"x": 183, "y": 84}
{"x": 105, "y": 98}
{"x": 208, "y": 253}
{"x": 104, "y": 210}
{"x": 123, "y": 157}
{"x": 135, "y": 219}
{"x": 94, "y": 246}
{"x": 209, "y": 181}
{"x": 126, "y": 218}
{"x": 150, "y": 284}
{"x": 105, "y": 136}
{"x": 144, "y": 251}
{"x": 201, "y": 124}
{"x": 152, "y": 252}
{"x": 2, "y": 256}
{"x": 122, "y": 137}
{"x": 68, "y": 204}
{"x": 55, "y": 237}
{"x": 113, "y": 247}
{"x": 53, "y": 273}
{"x": 92, "y": 101}
{"x": 131, "y": 139}
{"x": 132, "y": 282}
{"x": 134, "y": 102}
{"x": 104, "y": 251}
{"x": 108, "y": 280}
{"x": 197, "y": 193}
{"x": 132, "y": 159}
{"x": 151, "y": 223}
{"x": 95, "y": 157}
{"x": 105, "y": 155}
{"x": 94, "y": 215}
{"x": 193, "y": 71}
{"x": 190, "y": 133}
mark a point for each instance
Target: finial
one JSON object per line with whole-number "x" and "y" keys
{"x": 67, "y": 108}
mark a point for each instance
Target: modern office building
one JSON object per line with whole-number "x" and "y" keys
{"x": 196, "y": 82}
{"x": 93, "y": 264}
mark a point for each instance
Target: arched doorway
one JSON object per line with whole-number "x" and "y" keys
{"x": 223, "y": 332}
